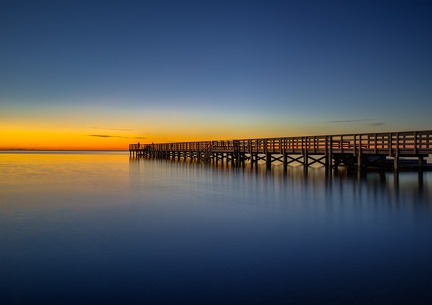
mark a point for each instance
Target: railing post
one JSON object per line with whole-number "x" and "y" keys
{"x": 360, "y": 144}
{"x": 375, "y": 143}
{"x": 389, "y": 143}
{"x": 355, "y": 145}
{"x": 342, "y": 144}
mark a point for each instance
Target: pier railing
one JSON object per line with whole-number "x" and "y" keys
{"x": 388, "y": 143}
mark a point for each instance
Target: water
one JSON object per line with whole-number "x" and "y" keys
{"x": 101, "y": 228}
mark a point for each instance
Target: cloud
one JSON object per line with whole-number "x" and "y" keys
{"x": 377, "y": 124}
{"x": 349, "y": 121}
{"x": 112, "y": 136}
{"x": 355, "y": 121}
{"x": 103, "y": 136}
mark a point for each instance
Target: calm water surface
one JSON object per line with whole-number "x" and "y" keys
{"x": 101, "y": 228}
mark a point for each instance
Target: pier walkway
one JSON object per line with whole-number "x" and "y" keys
{"x": 395, "y": 150}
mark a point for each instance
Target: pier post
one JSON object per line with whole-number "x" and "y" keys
{"x": 420, "y": 163}
{"x": 396, "y": 163}
{"x": 268, "y": 161}
{"x": 359, "y": 161}
{"x": 305, "y": 160}
{"x": 253, "y": 160}
{"x": 285, "y": 161}
{"x": 330, "y": 161}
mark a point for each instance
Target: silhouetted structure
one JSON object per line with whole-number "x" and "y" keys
{"x": 391, "y": 150}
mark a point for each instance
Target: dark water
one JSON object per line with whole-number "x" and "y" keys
{"x": 99, "y": 228}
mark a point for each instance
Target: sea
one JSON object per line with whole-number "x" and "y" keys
{"x": 107, "y": 228}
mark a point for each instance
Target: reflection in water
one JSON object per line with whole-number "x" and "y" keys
{"x": 380, "y": 186}
{"x": 106, "y": 229}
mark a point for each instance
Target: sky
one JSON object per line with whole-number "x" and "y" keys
{"x": 103, "y": 74}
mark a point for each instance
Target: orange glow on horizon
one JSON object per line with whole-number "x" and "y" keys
{"x": 25, "y": 136}
{"x": 22, "y": 139}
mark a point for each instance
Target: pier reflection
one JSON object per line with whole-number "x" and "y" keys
{"x": 372, "y": 187}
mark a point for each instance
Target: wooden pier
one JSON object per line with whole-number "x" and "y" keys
{"x": 395, "y": 150}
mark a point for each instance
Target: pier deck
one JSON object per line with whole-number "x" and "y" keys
{"x": 354, "y": 150}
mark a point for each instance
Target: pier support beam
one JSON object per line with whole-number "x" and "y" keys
{"x": 268, "y": 161}
{"x": 329, "y": 161}
{"x": 396, "y": 164}
{"x": 359, "y": 161}
{"x": 305, "y": 161}
{"x": 328, "y": 165}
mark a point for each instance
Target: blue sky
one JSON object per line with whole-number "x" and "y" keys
{"x": 219, "y": 69}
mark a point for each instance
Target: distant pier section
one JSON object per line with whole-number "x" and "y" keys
{"x": 389, "y": 150}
